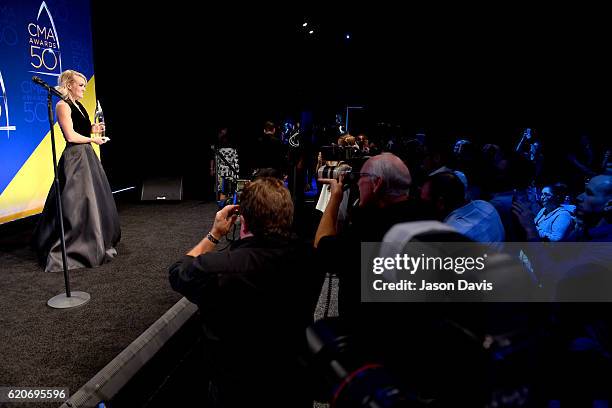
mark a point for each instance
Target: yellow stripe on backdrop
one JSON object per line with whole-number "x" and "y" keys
{"x": 26, "y": 193}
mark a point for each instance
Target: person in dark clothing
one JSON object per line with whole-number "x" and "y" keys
{"x": 384, "y": 182}
{"x": 91, "y": 222}
{"x": 407, "y": 338}
{"x": 255, "y": 300}
{"x": 224, "y": 162}
{"x": 581, "y": 280}
{"x": 268, "y": 152}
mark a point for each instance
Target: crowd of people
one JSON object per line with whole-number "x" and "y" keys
{"x": 257, "y": 297}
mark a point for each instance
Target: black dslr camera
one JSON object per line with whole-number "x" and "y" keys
{"x": 230, "y": 191}
{"x": 340, "y": 153}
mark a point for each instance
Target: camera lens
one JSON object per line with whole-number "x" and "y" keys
{"x": 354, "y": 383}
{"x": 333, "y": 172}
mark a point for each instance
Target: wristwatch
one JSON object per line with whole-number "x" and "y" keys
{"x": 212, "y": 239}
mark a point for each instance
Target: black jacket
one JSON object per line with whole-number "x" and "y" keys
{"x": 255, "y": 300}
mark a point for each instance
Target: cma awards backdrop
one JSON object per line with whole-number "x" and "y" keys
{"x": 37, "y": 38}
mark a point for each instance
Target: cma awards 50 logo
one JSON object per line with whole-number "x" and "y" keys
{"x": 45, "y": 56}
{"x": 4, "y": 112}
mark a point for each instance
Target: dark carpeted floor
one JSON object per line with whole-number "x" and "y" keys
{"x": 45, "y": 347}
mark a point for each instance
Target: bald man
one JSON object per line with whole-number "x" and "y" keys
{"x": 384, "y": 184}
{"x": 594, "y": 210}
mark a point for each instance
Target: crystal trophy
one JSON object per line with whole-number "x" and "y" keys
{"x": 99, "y": 119}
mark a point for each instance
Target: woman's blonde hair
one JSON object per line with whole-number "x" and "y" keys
{"x": 65, "y": 78}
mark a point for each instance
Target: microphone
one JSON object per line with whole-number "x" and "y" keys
{"x": 49, "y": 88}
{"x": 39, "y": 81}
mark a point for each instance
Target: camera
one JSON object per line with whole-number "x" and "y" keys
{"x": 334, "y": 172}
{"x": 230, "y": 191}
{"x": 349, "y": 173}
{"x": 340, "y": 153}
{"x": 352, "y": 382}
{"x": 349, "y": 162}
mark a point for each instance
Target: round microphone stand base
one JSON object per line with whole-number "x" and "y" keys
{"x": 62, "y": 301}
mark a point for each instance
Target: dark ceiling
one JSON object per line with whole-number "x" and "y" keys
{"x": 179, "y": 70}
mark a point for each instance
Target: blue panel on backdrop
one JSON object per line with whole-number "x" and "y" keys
{"x": 39, "y": 38}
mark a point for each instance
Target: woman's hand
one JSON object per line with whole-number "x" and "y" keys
{"x": 98, "y": 140}
{"x": 525, "y": 218}
{"x": 98, "y": 128}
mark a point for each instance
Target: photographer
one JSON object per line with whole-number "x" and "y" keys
{"x": 409, "y": 339}
{"x": 256, "y": 300}
{"x": 384, "y": 182}
{"x": 327, "y": 160}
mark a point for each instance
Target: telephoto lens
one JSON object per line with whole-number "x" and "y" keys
{"x": 333, "y": 172}
{"x": 352, "y": 381}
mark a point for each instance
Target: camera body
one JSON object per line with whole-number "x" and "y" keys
{"x": 334, "y": 172}
{"x": 340, "y": 153}
{"x": 349, "y": 161}
{"x": 230, "y": 191}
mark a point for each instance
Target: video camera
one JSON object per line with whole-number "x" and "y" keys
{"x": 340, "y": 153}
{"x": 350, "y": 161}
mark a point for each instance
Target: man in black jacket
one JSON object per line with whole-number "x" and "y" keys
{"x": 255, "y": 301}
{"x": 384, "y": 184}
{"x": 267, "y": 152}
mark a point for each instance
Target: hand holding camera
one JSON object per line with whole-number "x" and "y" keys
{"x": 336, "y": 186}
{"x": 224, "y": 220}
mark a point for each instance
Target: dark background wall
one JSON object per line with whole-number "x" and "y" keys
{"x": 167, "y": 75}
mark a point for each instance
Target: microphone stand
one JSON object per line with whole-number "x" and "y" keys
{"x": 68, "y": 299}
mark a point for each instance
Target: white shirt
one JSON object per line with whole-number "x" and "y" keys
{"x": 324, "y": 198}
